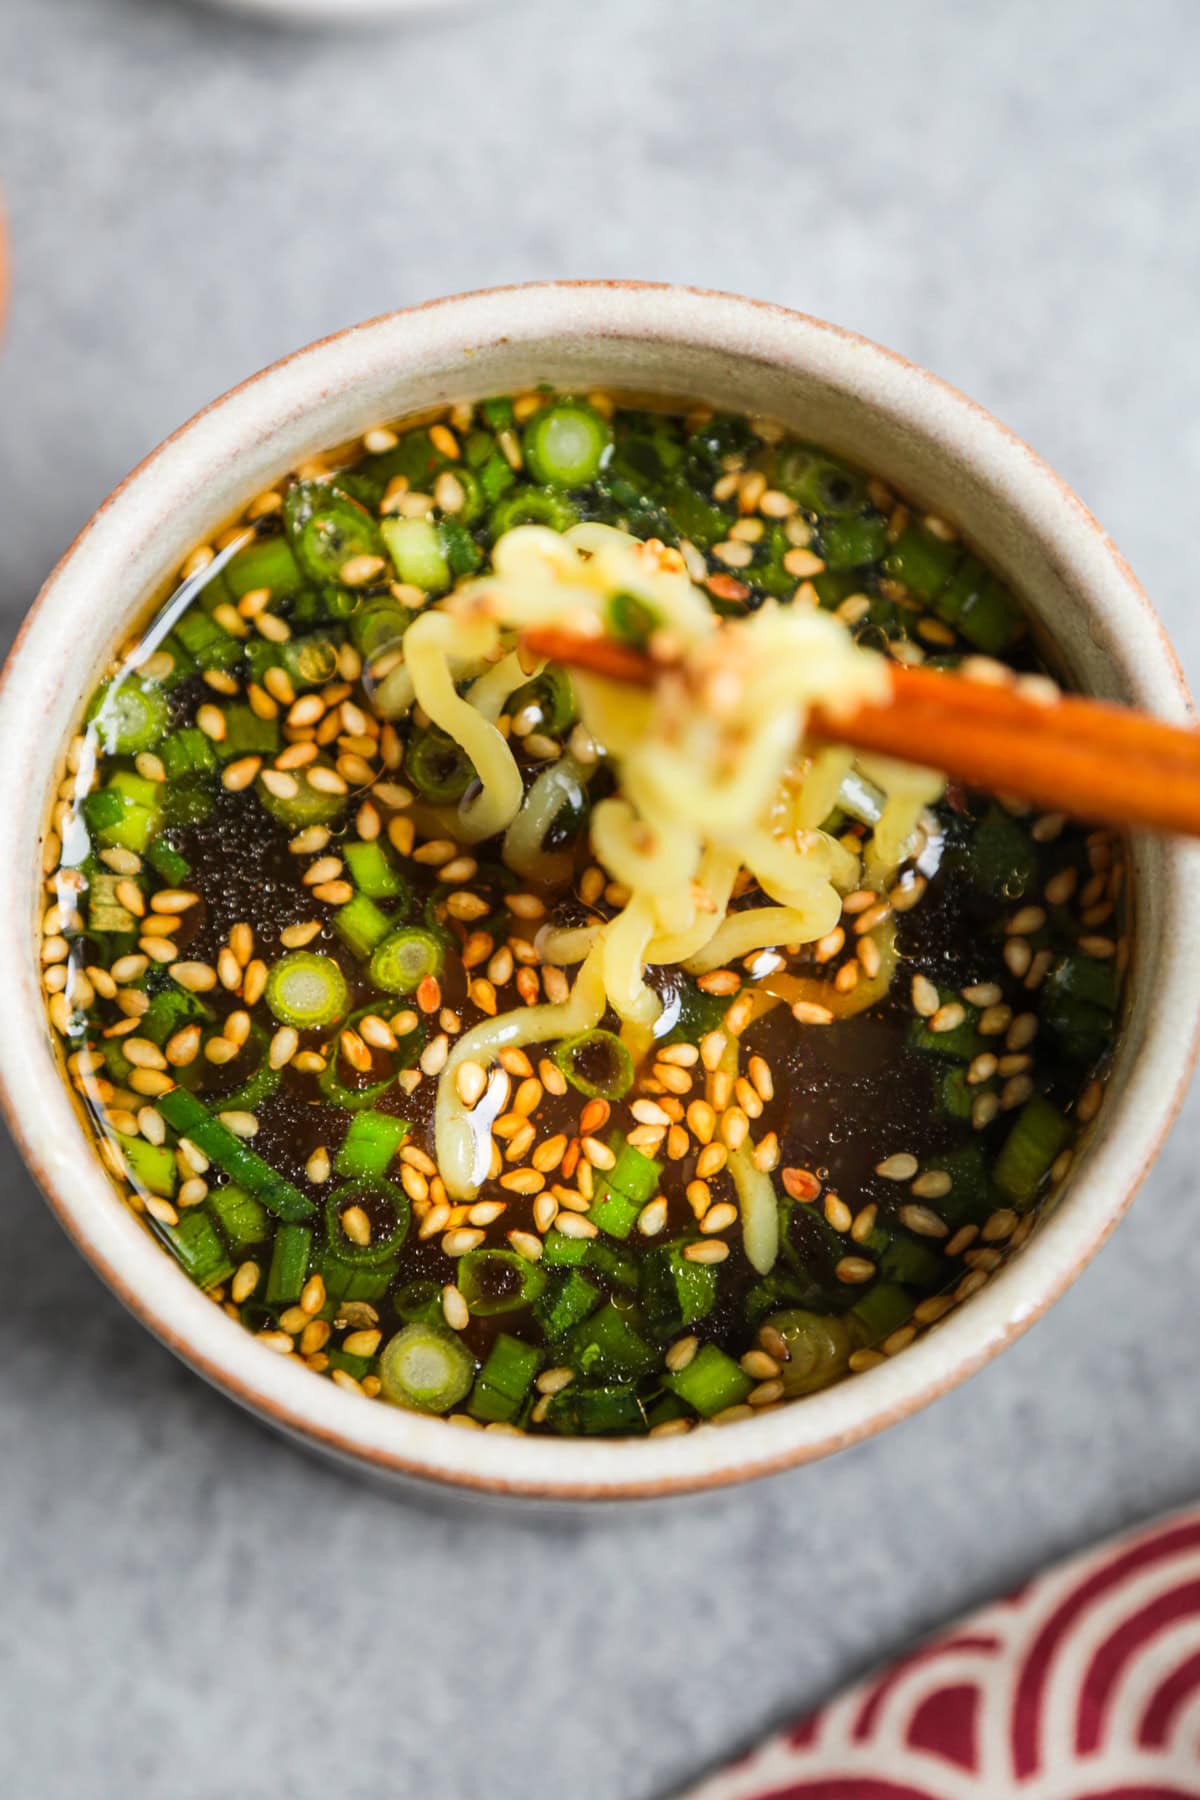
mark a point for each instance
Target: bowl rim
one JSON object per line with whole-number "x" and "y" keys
{"x": 394, "y": 1442}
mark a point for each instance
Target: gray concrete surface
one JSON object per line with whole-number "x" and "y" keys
{"x": 187, "y": 1608}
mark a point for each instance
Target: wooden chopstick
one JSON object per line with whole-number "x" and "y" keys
{"x": 1085, "y": 757}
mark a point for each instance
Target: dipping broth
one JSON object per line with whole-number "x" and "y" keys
{"x": 270, "y": 925}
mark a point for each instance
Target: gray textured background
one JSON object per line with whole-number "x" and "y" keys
{"x": 188, "y": 1609}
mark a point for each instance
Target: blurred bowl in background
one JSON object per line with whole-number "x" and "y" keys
{"x": 339, "y": 12}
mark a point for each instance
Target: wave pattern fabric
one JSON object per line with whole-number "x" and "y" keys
{"x": 1083, "y": 1685}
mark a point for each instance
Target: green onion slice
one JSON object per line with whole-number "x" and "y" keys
{"x": 438, "y": 767}
{"x": 596, "y": 1063}
{"x": 819, "y": 1347}
{"x": 404, "y": 959}
{"x": 309, "y": 805}
{"x": 425, "y": 1367}
{"x": 129, "y": 716}
{"x": 374, "y": 1196}
{"x": 306, "y": 990}
{"x": 327, "y": 528}
{"x": 498, "y": 1281}
{"x": 567, "y": 445}
{"x": 531, "y": 506}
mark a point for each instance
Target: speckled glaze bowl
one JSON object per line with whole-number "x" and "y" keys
{"x": 835, "y": 387}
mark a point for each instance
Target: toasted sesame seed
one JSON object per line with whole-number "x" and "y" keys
{"x": 719, "y": 982}
{"x": 1018, "y": 955}
{"x": 242, "y": 1124}
{"x": 459, "y": 1241}
{"x": 681, "y": 1353}
{"x": 807, "y": 1012}
{"x": 837, "y": 1213}
{"x": 574, "y": 1225}
{"x": 598, "y": 1154}
{"x": 900, "y": 1167}
{"x": 594, "y": 1117}
{"x": 933, "y": 1185}
{"x": 709, "y": 1250}
{"x": 711, "y": 1160}
{"x": 719, "y": 1217}
{"x": 245, "y": 1280}
{"x": 854, "y": 1269}
{"x": 921, "y": 1220}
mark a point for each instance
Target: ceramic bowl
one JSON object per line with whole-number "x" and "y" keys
{"x": 839, "y": 389}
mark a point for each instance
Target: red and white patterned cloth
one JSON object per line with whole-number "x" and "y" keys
{"x": 1083, "y": 1685}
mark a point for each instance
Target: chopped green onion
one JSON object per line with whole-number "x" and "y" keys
{"x": 437, "y": 766}
{"x": 404, "y": 959}
{"x": 105, "y": 912}
{"x": 127, "y": 812}
{"x": 187, "y": 752}
{"x": 607, "y": 1347}
{"x": 634, "y": 1174}
{"x": 351, "y": 1281}
{"x": 498, "y": 1281}
{"x": 361, "y": 925}
{"x": 497, "y": 414}
{"x": 621, "y": 1194}
{"x": 168, "y": 863}
{"x": 171, "y": 1008}
{"x": 264, "y": 563}
{"x": 593, "y": 1411}
{"x": 1001, "y": 858}
{"x": 326, "y": 528}
{"x": 379, "y": 627}
{"x": 309, "y": 805}
{"x": 1036, "y": 1140}
{"x": 425, "y": 1367}
{"x": 192, "y": 1119}
{"x": 818, "y": 482}
{"x": 152, "y": 1166}
{"x": 569, "y": 1301}
{"x": 883, "y": 1309}
{"x": 504, "y": 1380}
{"x": 129, "y": 716}
{"x": 242, "y": 1218}
{"x": 849, "y": 543}
{"x": 371, "y": 1195}
{"x": 531, "y": 506}
{"x": 371, "y": 1141}
{"x": 198, "y": 1248}
{"x": 819, "y": 1347}
{"x": 289, "y": 1264}
{"x": 961, "y": 1042}
{"x": 596, "y": 1063}
{"x": 210, "y": 645}
{"x": 923, "y": 562}
{"x": 673, "y": 1291}
{"x": 415, "y": 548}
{"x": 551, "y": 692}
{"x": 567, "y": 445}
{"x": 247, "y": 735}
{"x": 711, "y": 1382}
{"x": 306, "y": 990}
{"x": 419, "y": 1301}
{"x": 374, "y": 874}
{"x": 309, "y": 661}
